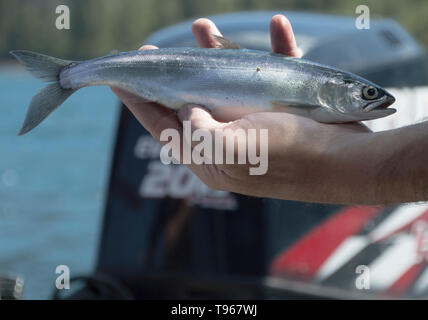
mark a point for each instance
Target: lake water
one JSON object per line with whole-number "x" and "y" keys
{"x": 53, "y": 182}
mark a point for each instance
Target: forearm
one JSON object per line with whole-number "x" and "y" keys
{"x": 403, "y": 175}
{"x": 386, "y": 167}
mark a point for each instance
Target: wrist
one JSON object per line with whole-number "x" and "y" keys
{"x": 352, "y": 165}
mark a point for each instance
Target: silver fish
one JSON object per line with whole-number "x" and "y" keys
{"x": 227, "y": 80}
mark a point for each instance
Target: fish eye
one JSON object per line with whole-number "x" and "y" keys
{"x": 370, "y": 93}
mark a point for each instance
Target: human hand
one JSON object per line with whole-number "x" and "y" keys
{"x": 308, "y": 161}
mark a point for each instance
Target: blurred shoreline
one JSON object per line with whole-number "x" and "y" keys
{"x": 97, "y": 26}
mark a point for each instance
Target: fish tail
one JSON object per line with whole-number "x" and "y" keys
{"x": 50, "y": 97}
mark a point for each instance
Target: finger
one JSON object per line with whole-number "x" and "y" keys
{"x": 200, "y": 119}
{"x": 282, "y": 37}
{"x": 152, "y": 116}
{"x": 126, "y": 97}
{"x": 203, "y": 29}
{"x": 204, "y": 127}
{"x": 148, "y": 47}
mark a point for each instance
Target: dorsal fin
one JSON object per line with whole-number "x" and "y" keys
{"x": 226, "y": 43}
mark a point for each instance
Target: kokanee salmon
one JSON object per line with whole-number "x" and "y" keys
{"x": 230, "y": 79}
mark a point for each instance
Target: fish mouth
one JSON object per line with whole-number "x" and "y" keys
{"x": 382, "y": 104}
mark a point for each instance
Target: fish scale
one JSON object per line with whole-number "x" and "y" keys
{"x": 239, "y": 79}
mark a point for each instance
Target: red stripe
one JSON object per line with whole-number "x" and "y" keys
{"x": 403, "y": 283}
{"x": 305, "y": 257}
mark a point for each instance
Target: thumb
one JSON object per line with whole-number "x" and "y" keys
{"x": 198, "y": 118}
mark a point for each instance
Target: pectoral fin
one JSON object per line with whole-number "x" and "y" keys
{"x": 293, "y": 107}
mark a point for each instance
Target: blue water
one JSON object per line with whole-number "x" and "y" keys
{"x": 52, "y": 182}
